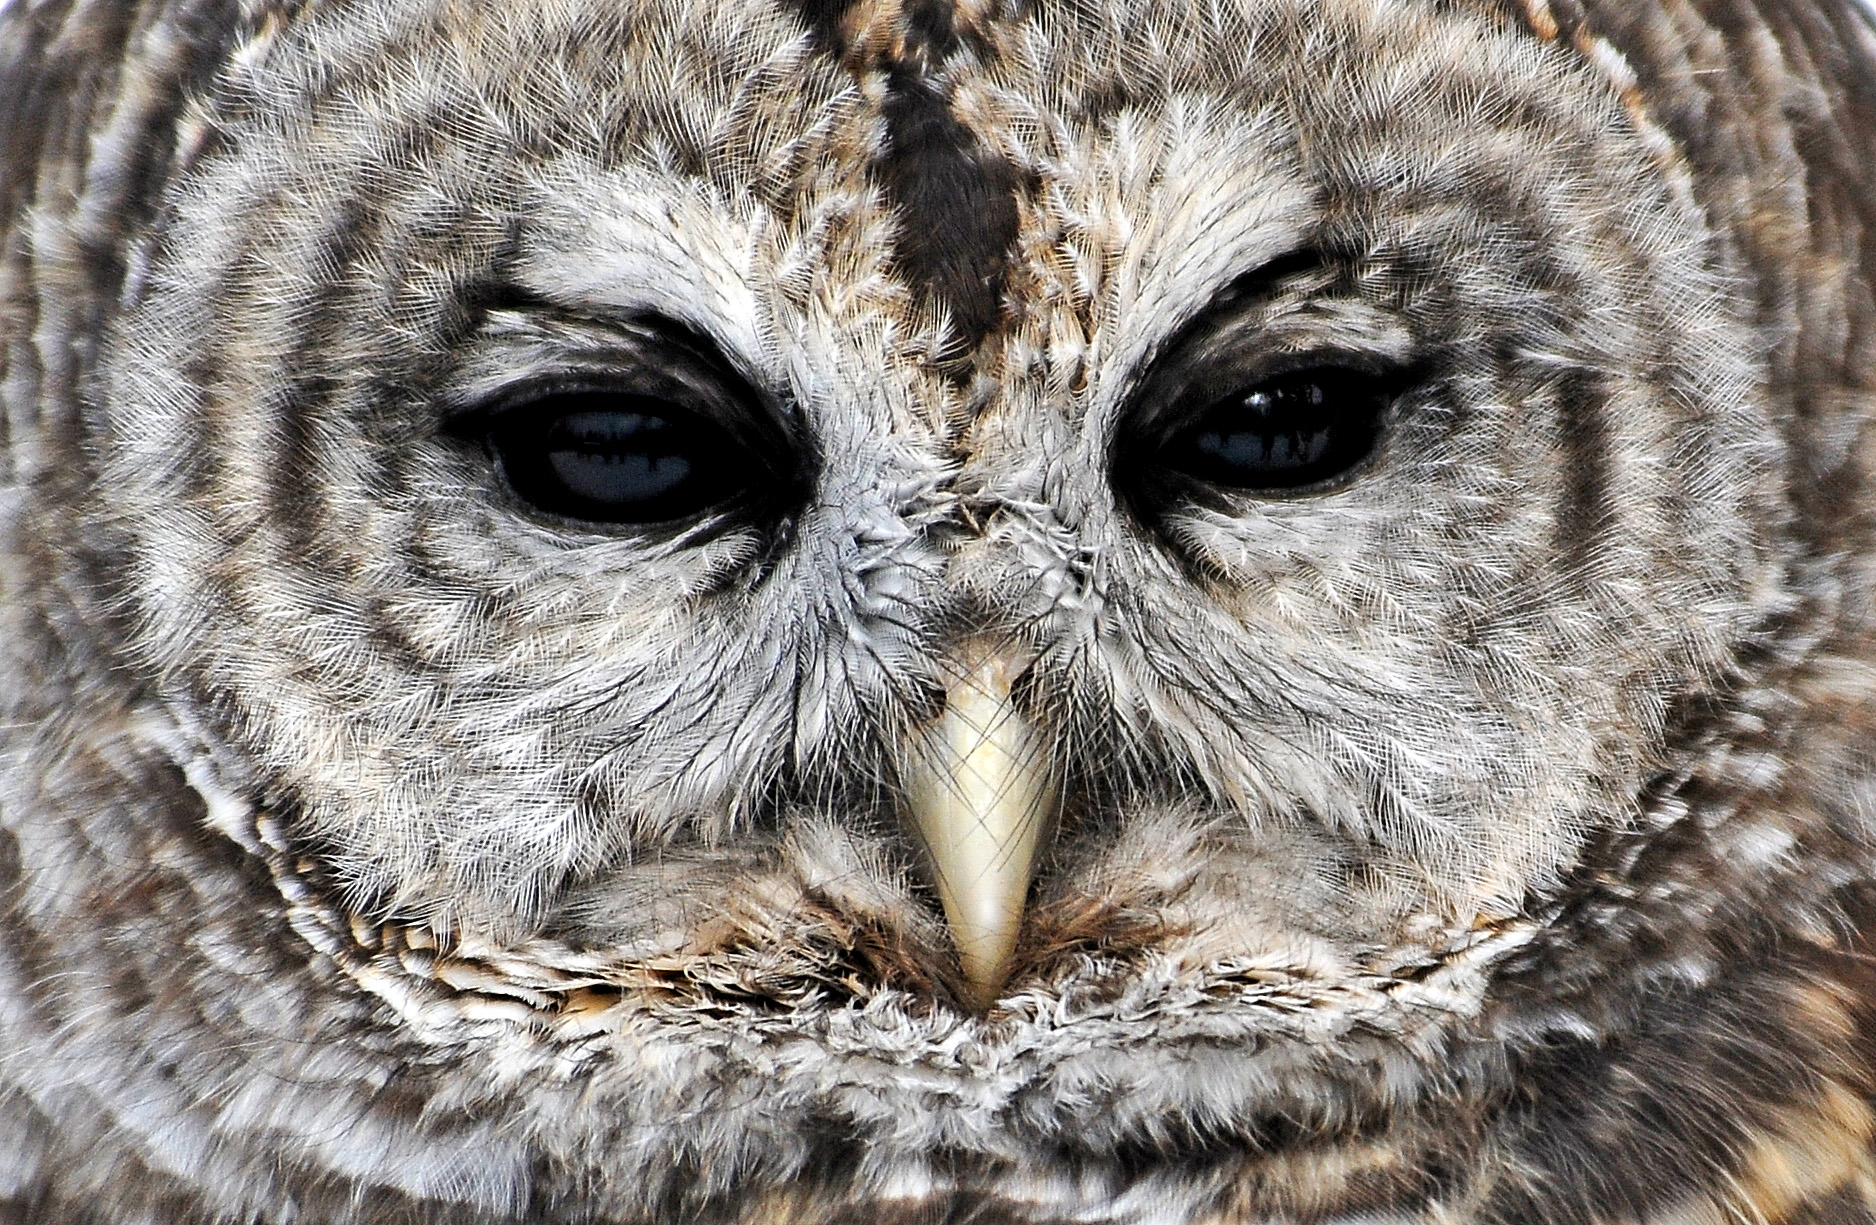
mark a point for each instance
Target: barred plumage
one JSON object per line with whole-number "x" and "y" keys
{"x": 503, "y": 504}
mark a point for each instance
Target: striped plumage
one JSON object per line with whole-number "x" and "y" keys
{"x": 1487, "y": 834}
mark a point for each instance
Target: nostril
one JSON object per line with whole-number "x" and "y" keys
{"x": 924, "y": 702}
{"x": 1027, "y": 689}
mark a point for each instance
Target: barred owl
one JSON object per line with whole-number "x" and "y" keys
{"x": 995, "y": 611}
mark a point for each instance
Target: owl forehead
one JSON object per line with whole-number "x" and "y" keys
{"x": 925, "y": 177}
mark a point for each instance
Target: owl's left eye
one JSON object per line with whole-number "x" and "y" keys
{"x": 1288, "y": 432}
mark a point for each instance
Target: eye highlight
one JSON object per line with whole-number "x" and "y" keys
{"x": 611, "y": 457}
{"x": 1283, "y": 433}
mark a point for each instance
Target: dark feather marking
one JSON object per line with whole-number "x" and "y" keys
{"x": 1632, "y": 1125}
{"x": 1801, "y": 236}
{"x": 823, "y": 19}
{"x": 1846, "y": 1207}
{"x": 956, "y": 199}
{"x": 958, "y": 205}
{"x": 297, "y": 493}
{"x": 1586, "y": 515}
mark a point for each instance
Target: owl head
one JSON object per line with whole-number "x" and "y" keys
{"x": 913, "y": 594}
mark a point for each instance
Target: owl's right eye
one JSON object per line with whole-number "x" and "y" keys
{"x": 623, "y": 423}
{"x": 620, "y": 458}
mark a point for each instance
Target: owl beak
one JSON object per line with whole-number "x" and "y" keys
{"x": 981, "y": 790}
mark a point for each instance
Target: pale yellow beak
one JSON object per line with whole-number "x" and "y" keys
{"x": 981, "y": 790}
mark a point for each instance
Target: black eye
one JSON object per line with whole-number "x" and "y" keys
{"x": 612, "y": 457}
{"x": 1287, "y": 432}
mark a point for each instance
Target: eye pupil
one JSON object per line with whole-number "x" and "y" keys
{"x": 619, "y": 458}
{"x": 619, "y": 478}
{"x": 1284, "y": 433}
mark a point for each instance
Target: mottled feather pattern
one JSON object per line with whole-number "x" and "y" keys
{"x": 1488, "y": 836}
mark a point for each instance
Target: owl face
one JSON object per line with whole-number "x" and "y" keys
{"x": 574, "y": 457}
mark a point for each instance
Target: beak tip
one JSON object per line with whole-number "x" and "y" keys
{"x": 978, "y": 997}
{"x": 986, "y": 971}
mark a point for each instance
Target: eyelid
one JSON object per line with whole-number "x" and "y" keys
{"x": 517, "y": 395}
{"x": 1166, "y": 406}
{"x": 1239, "y": 343}
{"x": 518, "y": 356}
